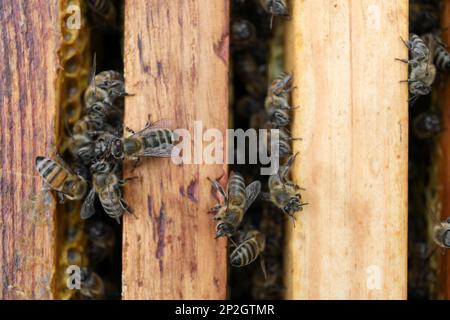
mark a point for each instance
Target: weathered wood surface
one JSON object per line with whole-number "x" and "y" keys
{"x": 444, "y": 99}
{"x": 176, "y": 64}
{"x": 29, "y": 38}
{"x": 351, "y": 240}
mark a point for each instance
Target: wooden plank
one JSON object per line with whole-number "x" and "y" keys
{"x": 351, "y": 241}
{"x": 176, "y": 64}
{"x": 444, "y": 99}
{"x": 29, "y": 38}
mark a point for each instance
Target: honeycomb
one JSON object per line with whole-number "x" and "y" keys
{"x": 75, "y": 64}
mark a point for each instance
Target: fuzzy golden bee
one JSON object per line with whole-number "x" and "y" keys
{"x": 284, "y": 193}
{"x": 237, "y": 200}
{"x": 251, "y": 246}
{"x": 61, "y": 179}
{"x": 107, "y": 186}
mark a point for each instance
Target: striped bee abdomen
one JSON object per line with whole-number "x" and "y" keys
{"x": 419, "y": 50}
{"x": 442, "y": 58}
{"x": 110, "y": 200}
{"x": 236, "y": 189}
{"x": 245, "y": 253}
{"x": 54, "y": 174}
{"x": 158, "y": 137}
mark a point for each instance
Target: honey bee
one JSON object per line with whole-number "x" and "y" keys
{"x": 61, "y": 179}
{"x": 281, "y": 85}
{"x": 441, "y": 234}
{"x": 104, "y": 87}
{"x": 278, "y": 110}
{"x": 229, "y": 215}
{"x": 426, "y": 125}
{"x": 422, "y": 70}
{"x": 442, "y": 58}
{"x": 92, "y": 123}
{"x": 242, "y": 33}
{"x": 251, "y": 246}
{"x": 284, "y": 193}
{"x": 91, "y": 286}
{"x": 103, "y": 11}
{"x": 276, "y": 103}
{"x": 152, "y": 141}
{"x": 284, "y": 142}
{"x": 82, "y": 147}
{"x": 100, "y": 111}
{"x": 275, "y": 8}
{"x": 101, "y": 239}
{"x": 107, "y": 186}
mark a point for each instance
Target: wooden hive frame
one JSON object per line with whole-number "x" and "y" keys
{"x": 353, "y": 157}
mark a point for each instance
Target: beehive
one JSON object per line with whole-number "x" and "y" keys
{"x": 350, "y": 242}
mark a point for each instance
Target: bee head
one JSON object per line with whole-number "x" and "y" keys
{"x": 293, "y": 205}
{"x": 280, "y": 118}
{"x": 445, "y": 237}
{"x": 224, "y": 229}
{"x": 117, "y": 149}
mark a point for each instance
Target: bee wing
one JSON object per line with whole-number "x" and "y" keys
{"x": 92, "y": 72}
{"x": 163, "y": 151}
{"x": 251, "y": 193}
{"x": 284, "y": 170}
{"x": 159, "y": 124}
{"x": 87, "y": 209}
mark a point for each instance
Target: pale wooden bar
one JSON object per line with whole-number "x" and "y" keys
{"x": 29, "y": 40}
{"x": 176, "y": 65}
{"x": 351, "y": 240}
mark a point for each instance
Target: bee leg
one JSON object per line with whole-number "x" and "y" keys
{"x": 61, "y": 197}
{"x": 216, "y": 185}
{"x": 403, "y": 60}
{"x": 263, "y": 265}
{"x": 126, "y": 207}
{"x": 135, "y": 164}
{"x": 125, "y": 181}
{"x": 215, "y": 209}
{"x": 130, "y": 130}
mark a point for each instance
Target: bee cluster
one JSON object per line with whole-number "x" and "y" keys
{"x": 260, "y": 100}
{"x": 429, "y": 60}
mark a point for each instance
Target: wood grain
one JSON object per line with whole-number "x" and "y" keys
{"x": 444, "y": 99}
{"x": 29, "y": 38}
{"x": 353, "y": 158}
{"x": 176, "y": 64}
